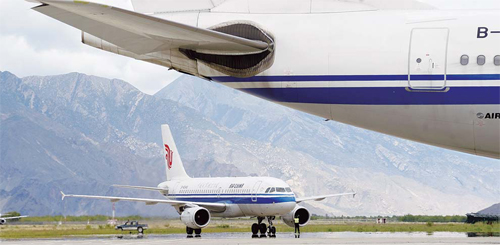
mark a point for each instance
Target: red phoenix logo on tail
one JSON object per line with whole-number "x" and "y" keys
{"x": 168, "y": 156}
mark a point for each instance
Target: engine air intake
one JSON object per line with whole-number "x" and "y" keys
{"x": 237, "y": 64}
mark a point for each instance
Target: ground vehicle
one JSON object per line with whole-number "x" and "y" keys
{"x": 132, "y": 226}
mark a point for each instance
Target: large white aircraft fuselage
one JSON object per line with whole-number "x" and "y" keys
{"x": 401, "y": 68}
{"x": 243, "y": 196}
{"x": 362, "y": 69}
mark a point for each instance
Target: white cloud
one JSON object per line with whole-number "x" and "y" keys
{"x": 34, "y": 44}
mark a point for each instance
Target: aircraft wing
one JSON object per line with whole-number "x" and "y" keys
{"x": 16, "y": 217}
{"x": 147, "y": 201}
{"x": 320, "y": 198}
{"x": 139, "y": 33}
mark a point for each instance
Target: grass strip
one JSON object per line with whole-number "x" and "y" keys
{"x": 26, "y": 231}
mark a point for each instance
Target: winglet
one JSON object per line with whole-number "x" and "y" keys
{"x": 63, "y": 195}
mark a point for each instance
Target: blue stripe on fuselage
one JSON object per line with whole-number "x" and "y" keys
{"x": 380, "y": 95}
{"x": 469, "y": 95}
{"x": 246, "y": 199}
{"x": 323, "y": 78}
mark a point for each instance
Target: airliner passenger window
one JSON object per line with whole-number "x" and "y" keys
{"x": 288, "y": 189}
{"x": 496, "y": 60}
{"x": 464, "y": 60}
{"x": 481, "y": 60}
{"x": 280, "y": 189}
{"x": 272, "y": 190}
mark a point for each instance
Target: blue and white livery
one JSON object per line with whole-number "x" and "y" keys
{"x": 198, "y": 199}
{"x": 399, "y": 67}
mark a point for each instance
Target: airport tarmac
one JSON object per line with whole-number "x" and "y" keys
{"x": 204, "y": 241}
{"x": 352, "y": 238}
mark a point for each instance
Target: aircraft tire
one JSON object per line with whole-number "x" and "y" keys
{"x": 255, "y": 230}
{"x": 262, "y": 229}
{"x": 197, "y": 232}
{"x": 189, "y": 232}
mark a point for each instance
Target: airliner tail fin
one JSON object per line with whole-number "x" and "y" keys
{"x": 173, "y": 162}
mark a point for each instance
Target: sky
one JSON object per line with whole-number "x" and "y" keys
{"x": 34, "y": 44}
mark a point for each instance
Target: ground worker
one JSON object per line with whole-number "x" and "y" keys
{"x": 297, "y": 226}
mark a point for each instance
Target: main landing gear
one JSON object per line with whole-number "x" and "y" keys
{"x": 190, "y": 231}
{"x": 261, "y": 228}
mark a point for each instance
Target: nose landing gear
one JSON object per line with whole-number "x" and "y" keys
{"x": 271, "y": 229}
{"x": 261, "y": 228}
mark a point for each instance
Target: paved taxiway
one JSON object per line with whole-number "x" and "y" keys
{"x": 217, "y": 241}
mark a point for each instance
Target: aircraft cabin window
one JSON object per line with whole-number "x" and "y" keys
{"x": 464, "y": 60}
{"x": 288, "y": 189}
{"x": 496, "y": 60}
{"x": 280, "y": 189}
{"x": 481, "y": 60}
{"x": 272, "y": 190}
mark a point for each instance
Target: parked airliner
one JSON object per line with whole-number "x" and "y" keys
{"x": 399, "y": 67}
{"x": 198, "y": 199}
{"x": 3, "y": 220}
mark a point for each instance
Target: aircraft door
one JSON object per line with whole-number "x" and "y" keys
{"x": 255, "y": 190}
{"x": 219, "y": 191}
{"x": 289, "y": 88}
{"x": 428, "y": 58}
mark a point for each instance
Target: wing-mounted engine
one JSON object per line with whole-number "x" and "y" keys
{"x": 2, "y": 221}
{"x": 302, "y": 213}
{"x": 238, "y": 49}
{"x": 195, "y": 217}
{"x": 236, "y": 63}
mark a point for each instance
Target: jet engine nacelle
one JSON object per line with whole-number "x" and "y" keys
{"x": 235, "y": 64}
{"x": 303, "y": 213}
{"x": 2, "y": 221}
{"x": 195, "y": 217}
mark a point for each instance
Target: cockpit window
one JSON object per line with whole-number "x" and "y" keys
{"x": 268, "y": 189}
{"x": 280, "y": 189}
{"x": 272, "y": 190}
{"x": 288, "y": 189}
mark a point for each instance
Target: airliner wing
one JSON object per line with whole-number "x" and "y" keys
{"x": 147, "y": 201}
{"x": 320, "y": 198}
{"x": 16, "y": 217}
{"x": 139, "y": 33}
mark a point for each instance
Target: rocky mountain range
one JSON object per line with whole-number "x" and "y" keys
{"x": 81, "y": 134}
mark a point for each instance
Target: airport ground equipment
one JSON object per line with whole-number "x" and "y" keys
{"x": 473, "y": 218}
{"x": 199, "y": 199}
{"x": 489, "y": 215}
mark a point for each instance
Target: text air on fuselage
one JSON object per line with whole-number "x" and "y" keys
{"x": 405, "y": 69}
